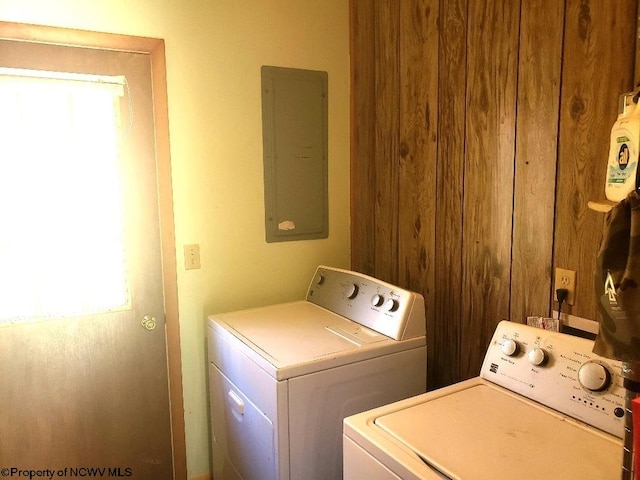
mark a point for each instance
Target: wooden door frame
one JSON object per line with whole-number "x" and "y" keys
{"x": 154, "y": 47}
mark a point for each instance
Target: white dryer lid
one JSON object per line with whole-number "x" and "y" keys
{"x": 290, "y": 333}
{"x": 298, "y": 337}
{"x": 486, "y": 432}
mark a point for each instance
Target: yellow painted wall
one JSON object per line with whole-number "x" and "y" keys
{"x": 215, "y": 49}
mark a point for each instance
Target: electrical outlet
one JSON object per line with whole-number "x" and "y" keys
{"x": 565, "y": 279}
{"x": 191, "y": 256}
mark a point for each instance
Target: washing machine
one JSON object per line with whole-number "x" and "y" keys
{"x": 544, "y": 406}
{"x": 283, "y": 377}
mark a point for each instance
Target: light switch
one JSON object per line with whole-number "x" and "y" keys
{"x": 192, "y": 256}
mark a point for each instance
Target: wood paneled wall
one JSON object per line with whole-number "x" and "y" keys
{"x": 480, "y": 130}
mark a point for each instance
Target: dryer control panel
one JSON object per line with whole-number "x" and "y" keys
{"x": 559, "y": 371}
{"x": 380, "y": 306}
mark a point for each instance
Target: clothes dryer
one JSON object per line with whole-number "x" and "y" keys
{"x": 283, "y": 377}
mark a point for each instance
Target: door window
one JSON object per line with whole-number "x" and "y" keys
{"x": 62, "y": 248}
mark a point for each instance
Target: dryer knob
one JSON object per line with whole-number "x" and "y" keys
{"x": 391, "y": 305}
{"x": 377, "y": 300}
{"x": 594, "y": 376}
{"x": 351, "y": 291}
{"x": 510, "y": 347}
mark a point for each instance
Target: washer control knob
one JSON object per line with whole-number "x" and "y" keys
{"x": 510, "y": 347}
{"x": 319, "y": 279}
{"x": 537, "y": 356}
{"x": 594, "y": 376}
{"x": 391, "y": 305}
{"x": 377, "y": 300}
{"x": 351, "y": 291}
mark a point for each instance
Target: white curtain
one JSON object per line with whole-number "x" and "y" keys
{"x": 62, "y": 248}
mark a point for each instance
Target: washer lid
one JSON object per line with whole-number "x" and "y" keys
{"x": 299, "y": 337}
{"x": 485, "y": 432}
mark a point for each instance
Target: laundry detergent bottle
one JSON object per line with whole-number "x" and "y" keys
{"x": 622, "y": 168}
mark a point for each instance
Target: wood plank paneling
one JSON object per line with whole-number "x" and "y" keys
{"x": 526, "y": 96}
{"x": 418, "y": 134}
{"x": 418, "y": 154}
{"x": 489, "y": 168}
{"x": 363, "y": 105}
{"x": 387, "y": 136}
{"x": 541, "y": 29}
{"x": 444, "y": 333}
{"x": 599, "y": 52}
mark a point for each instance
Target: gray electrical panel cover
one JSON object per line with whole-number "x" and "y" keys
{"x": 294, "y": 137}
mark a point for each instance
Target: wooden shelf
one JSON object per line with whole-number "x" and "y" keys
{"x": 601, "y": 205}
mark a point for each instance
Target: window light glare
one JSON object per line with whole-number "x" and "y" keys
{"x": 62, "y": 246}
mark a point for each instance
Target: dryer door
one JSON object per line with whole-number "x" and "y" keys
{"x": 242, "y": 432}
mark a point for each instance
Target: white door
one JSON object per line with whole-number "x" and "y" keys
{"x": 86, "y": 388}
